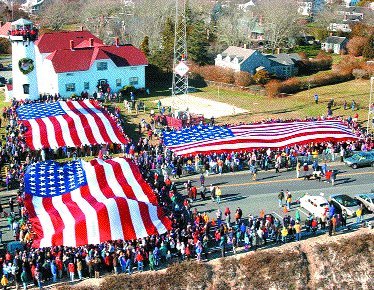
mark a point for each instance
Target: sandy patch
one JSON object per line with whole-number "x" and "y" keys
{"x": 197, "y": 105}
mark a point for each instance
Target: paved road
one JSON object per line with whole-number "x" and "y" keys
{"x": 239, "y": 190}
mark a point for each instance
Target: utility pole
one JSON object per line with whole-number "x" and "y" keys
{"x": 180, "y": 68}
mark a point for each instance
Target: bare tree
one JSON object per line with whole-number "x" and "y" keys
{"x": 98, "y": 17}
{"x": 327, "y": 15}
{"x": 58, "y": 13}
{"x": 280, "y": 22}
{"x": 234, "y": 27}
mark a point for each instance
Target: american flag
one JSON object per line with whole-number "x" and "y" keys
{"x": 209, "y": 139}
{"x": 79, "y": 203}
{"x": 68, "y": 123}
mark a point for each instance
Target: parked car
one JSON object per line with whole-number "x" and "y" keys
{"x": 315, "y": 204}
{"x": 367, "y": 199}
{"x": 345, "y": 203}
{"x": 360, "y": 159}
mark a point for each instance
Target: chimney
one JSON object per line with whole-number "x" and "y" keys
{"x": 245, "y": 46}
{"x": 1, "y": 23}
{"x": 91, "y": 42}
{"x": 117, "y": 41}
{"x": 278, "y": 50}
{"x": 81, "y": 27}
{"x": 331, "y": 34}
{"x": 72, "y": 44}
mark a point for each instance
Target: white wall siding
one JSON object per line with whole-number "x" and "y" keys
{"x": 92, "y": 76}
{"x": 24, "y": 49}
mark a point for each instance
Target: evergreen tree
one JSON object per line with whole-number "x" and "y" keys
{"x": 163, "y": 57}
{"x": 198, "y": 42}
{"x": 144, "y": 46}
{"x": 197, "y": 39}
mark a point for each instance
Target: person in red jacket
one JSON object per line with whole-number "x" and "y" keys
{"x": 139, "y": 259}
{"x": 71, "y": 270}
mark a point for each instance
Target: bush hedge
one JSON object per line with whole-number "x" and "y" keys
{"x": 347, "y": 69}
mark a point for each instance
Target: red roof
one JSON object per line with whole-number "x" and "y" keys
{"x": 9, "y": 87}
{"x": 5, "y": 28}
{"x": 81, "y": 59}
{"x": 50, "y": 42}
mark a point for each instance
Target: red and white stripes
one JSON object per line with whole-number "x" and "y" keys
{"x": 116, "y": 203}
{"x": 271, "y": 135}
{"x": 83, "y": 123}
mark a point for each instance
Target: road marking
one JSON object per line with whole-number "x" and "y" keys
{"x": 277, "y": 215}
{"x": 289, "y": 179}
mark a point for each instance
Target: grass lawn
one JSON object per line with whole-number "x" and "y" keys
{"x": 293, "y": 106}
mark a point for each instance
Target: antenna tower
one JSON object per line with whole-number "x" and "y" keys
{"x": 180, "y": 68}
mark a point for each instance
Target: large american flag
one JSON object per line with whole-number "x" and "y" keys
{"x": 209, "y": 139}
{"x": 79, "y": 203}
{"x": 68, "y": 123}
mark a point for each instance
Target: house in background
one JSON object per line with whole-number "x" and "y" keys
{"x": 239, "y": 59}
{"x": 282, "y": 65}
{"x": 242, "y": 59}
{"x": 70, "y": 62}
{"x": 305, "y": 7}
{"x": 334, "y": 43}
{"x": 343, "y": 27}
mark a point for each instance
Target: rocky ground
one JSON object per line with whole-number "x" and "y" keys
{"x": 344, "y": 261}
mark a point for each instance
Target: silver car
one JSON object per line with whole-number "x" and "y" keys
{"x": 367, "y": 199}
{"x": 345, "y": 203}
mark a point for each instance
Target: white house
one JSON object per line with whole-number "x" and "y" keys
{"x": 32, "y": 6}
{"x": 344, "y": 27}
{"x": 241, "y": 59}
{"x": 71, "y": 62}
{"x": 305, "y": 8}
{"x": 235, "y": 58}
{"x": 334, "y": 43}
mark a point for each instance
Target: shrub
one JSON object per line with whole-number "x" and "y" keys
{"x": 321, "y": 62}
{"x": 360, "y": 73}
{"x": 347, "y": 64}
{"x": 261, "y": 77}
{"x": 291, "y": 86}
{"x": 5, "y": 47}
{"x": 273, "y": 88}
{"x": 214, "y": 73}
{"x": 356, "y": 45}
{"x": 243, "y": 79}
{"x": 368, "y": 50}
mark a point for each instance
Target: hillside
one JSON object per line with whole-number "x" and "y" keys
{"x": 340, "y": 262}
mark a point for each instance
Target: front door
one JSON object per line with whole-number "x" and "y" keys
{"x": 26, "y": 89}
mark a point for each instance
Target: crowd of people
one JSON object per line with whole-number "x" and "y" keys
{"x": 194, "y": 235}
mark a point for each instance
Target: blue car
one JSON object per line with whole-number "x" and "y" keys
{"x": 360, "y": 159}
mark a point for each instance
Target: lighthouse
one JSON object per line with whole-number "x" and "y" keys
{"x": 22, "y": 37}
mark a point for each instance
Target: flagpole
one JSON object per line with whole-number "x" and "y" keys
{"x": 370, "y": 98}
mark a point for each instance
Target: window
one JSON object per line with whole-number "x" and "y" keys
{"x": 133, "y": 81}
{"x": 102, "y": 65}
{"x": 26, "y": 89}
{"x": 70, "y": 87}
{"x": 118, "y": 82}
{"x": 86, "y": 85}
{"x": 69, "y": 74}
